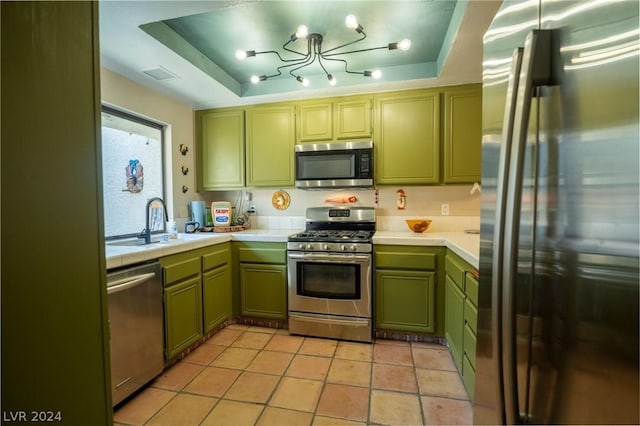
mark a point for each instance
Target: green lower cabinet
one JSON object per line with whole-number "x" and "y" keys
{"x": 454, "y": 320}
{"x": 183, "y": 315}
{"x": 461, "y": 317}
{"x": 405, "y": 300}
{"x": 468, "y": 377}
{"x": 216, "y": 297}
{"x": 263, "y": 290}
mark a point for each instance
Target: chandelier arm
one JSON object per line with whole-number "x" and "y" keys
{"x": 345, "y": 45}
{"x": 321, "y": 65}
{"x": 307, "y": 63}
{"x": 284, "y": 46}
{"x": 354, "y": 51}
{"x": 275, "y": 75}
{"x": 278, "y": 54}
{"x": 345, "y": 65}
{"x": 304, "y": 62}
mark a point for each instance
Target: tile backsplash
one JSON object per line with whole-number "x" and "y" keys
{"x": 420, "y": 202}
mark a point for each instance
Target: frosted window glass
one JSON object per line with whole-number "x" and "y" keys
{"x": 132, "y": 172}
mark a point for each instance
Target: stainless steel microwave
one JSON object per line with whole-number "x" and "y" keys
{"x": 334, "y": 165}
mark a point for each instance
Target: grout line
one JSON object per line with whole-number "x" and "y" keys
{"x": 325, "y": 381}
{"x": 419, "y": 394}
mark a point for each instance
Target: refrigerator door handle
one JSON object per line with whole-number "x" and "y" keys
{"x": 498, "y": 232}
{"x": 535, "y": 71}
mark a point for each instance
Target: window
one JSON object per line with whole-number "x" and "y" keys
{"x": 132, "y": 171}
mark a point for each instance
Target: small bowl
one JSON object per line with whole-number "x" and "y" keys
{"x": 418, "y": 225}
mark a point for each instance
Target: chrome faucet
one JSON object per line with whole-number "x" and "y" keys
{"x": 152, "y": 204}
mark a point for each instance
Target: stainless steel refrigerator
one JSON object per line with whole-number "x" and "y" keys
{"x": 558, "y": 317}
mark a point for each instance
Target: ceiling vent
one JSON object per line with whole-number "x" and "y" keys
{"x": 160, "y": 74}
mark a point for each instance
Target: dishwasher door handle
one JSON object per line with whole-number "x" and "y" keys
{"x": 129, "y": 282}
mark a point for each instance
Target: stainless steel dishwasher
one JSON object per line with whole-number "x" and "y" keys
{"x": 136, "y": 326}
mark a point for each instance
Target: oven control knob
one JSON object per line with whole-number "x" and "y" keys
{"x": 325, "y": 247}
{"x": 343, "y": 248}
{"x": 310, "y": 247}
{"x": 353, "y": 247}
{"x": 302, "y": 246}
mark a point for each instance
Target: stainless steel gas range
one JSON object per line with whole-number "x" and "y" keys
{"x": 329, "y": 274}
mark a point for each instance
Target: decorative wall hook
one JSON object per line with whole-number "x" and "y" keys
{"x": 184, "y": 189}
{"x": 185, "y": 170}
{"x": 184, "y": 149}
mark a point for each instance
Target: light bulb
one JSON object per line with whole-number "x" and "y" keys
{"x": 302, "y": 31}
{"x": 244, "y": 54}
{"x": 303, "y": 80}
{"x": 332, "y": 80}
{"x": 351, "y": 22}
{"x": 405, "y": 44}
{"x": 376, "y": 74}
{"x": 255, "y": 79}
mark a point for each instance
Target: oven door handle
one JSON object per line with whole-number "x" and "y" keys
{"x": 328, "y": 257}
{"x": 352, "y": 322}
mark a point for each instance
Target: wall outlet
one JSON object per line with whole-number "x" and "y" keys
{"x": 444, "y": 209}
{"x": 252, "y": 210}
{"x": 184, "y": 212}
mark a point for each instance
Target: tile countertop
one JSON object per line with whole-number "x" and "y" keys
{"x": 463, "y": 244}
{"x": 118, "y": 256}
{"x": 467, "y": 246}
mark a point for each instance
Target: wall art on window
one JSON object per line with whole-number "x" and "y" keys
{"x": 135, "y": 176}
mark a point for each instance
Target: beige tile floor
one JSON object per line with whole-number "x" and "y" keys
{"x": 248, "y": 375}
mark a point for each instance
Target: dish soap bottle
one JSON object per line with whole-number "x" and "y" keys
{"x": 173, "y": 229}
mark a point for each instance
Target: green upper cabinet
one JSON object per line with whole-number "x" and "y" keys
{"x": 220, "y": 149}
{"x": 270, "y": 143}
{"x": 334, "y": 119}
{"x": 462, "y": 134}
{"x": 422, "y": 137}
{"x": 407, "y": 135}
{"x": 352, "y": 117}
{"x": 315, "y": 121}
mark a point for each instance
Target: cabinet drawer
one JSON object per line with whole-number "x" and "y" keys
{"x": 468, "y": 377}
{"x": 469, "y": 344}
{"x": 471, "y": 315}
{"x": 455, "y": 269}
{"x": 262, "y": 255}
{"x": 471, "y": 288}
{"x": 180, "y": 270}
{"x": 216, "y": 256}
{"x": 384, "y": 259}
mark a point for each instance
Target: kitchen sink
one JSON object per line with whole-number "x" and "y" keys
{"x": 131, "y": 242}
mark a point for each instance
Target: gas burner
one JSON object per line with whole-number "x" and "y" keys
{"x": 332, "y": 236}
{"x": 336, "y": 229}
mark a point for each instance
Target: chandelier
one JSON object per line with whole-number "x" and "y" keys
{"x": 315, "y": 53}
